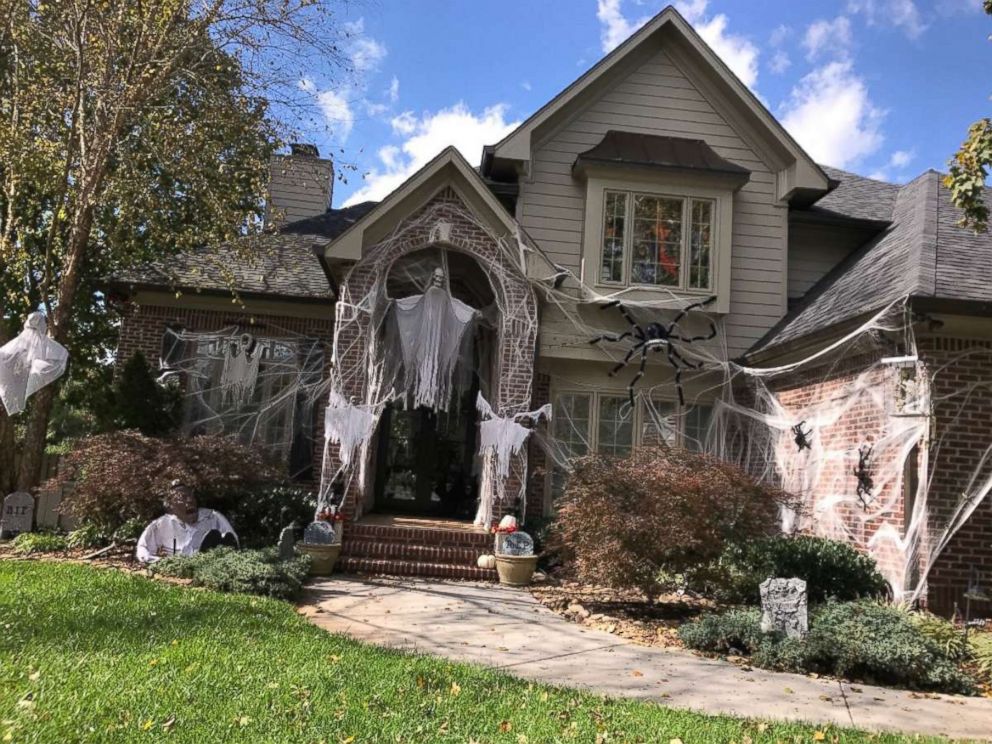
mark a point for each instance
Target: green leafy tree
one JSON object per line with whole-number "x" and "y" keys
{"x": 131, "y": 130}
{"x": 142, "y": 403}
{"x": 969, "y": 170}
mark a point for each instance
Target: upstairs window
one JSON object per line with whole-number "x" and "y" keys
{"x": 653, "y": 240}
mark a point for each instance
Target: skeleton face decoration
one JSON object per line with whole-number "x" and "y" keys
{"x": 437, "y": 280}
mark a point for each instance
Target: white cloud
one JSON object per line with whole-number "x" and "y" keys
{"x": 780, "y": 62}
{"x": 394, "y": 90}
{"x": 526, "y": 85}
{"x": 902, "y": 158}
{"x": 779, "y": 35}
{"x": 901, "y": 14}
{"x": 737, "y": 52}
{"x": 832, "y": 116}
{"x": 337, "y": 113}
{"x": 426, "y": 136}
{"x": 365, "y": 52}
{"x": 615, "y": 27}
{"x": 828, "y": 38}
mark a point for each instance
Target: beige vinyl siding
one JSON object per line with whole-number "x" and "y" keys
{"x": 814, "y": 251}
{"x": 657, "y": 98}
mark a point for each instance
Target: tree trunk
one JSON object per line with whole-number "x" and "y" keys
{"x": 41, "y": 403}
{"x": 8, "y": 477}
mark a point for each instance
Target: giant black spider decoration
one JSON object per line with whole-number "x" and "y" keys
{"x": 863, "y": 473}
{"x": 802, "y": 437}
{"x": 656, "y": 337}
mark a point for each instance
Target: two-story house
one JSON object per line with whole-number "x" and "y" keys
{"x": 651, "y": 256}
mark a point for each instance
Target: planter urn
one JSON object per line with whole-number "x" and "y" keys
{"x": 322, "y": 557}
{"x": 515, "y": 570}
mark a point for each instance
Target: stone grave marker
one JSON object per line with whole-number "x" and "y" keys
{"x": 287, "y": 542}
{"x": 319, "y": 533}
{"x": 783, "y": 607}
{"x": 17, "y": 515}
{"x": 517, "y": 543}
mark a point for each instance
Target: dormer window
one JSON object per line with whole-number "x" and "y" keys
{"x": 657, "y": 240}
{"x": 659, "y": 217}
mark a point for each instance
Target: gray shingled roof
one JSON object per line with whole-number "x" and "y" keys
{"x": 284, "y": 264}
{"x": 858, "y": 197}
{"x": 923, "y": 254}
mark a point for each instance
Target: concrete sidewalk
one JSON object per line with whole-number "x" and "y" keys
{"x": 507, "y": 628}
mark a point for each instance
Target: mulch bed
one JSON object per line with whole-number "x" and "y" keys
{"x": 624, "y": 613}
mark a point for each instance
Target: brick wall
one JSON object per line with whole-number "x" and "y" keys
{"x": 961, "y": 371}
{"x": 143, "y": 328}
{"x": 854, "y": 402}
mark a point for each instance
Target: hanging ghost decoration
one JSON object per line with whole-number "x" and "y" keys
{"x": 240, "y": 372}
{"x": 432, "y": 329}
{"x": 348, "y": 425}
{"x": 500, "y": 438}
{"x": 29, "y": 362}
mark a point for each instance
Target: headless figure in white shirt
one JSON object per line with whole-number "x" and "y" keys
{"x": 185, "y": 529}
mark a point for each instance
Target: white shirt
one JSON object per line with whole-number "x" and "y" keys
{"x": 169, "y": 530}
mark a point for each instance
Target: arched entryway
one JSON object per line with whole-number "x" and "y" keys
{"x": 482, "y": 271}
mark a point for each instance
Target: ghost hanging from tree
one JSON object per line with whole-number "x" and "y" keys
{"x": 29, "y": 362}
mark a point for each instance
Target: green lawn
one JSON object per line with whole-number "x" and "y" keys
{"x": 97, "y": 655}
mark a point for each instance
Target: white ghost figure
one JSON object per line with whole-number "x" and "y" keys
{"x": 431, "y": 328}
{"x": 348, "y": 425}
{"x": 29, "y": 362}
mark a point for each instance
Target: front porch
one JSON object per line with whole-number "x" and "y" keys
{"x": 400, "y": 545}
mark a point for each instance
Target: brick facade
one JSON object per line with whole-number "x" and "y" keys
{"x": 961, "y": 373}
{"x": 143, "y": 328}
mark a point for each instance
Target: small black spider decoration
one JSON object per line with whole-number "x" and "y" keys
{"x": 802, "y": 437}
{"x": 656, "y": 337}
{"x": 863, "y": 473}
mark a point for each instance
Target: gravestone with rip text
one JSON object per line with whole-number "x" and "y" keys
{"x": 783, "y": 607}
{"x": 17, "y": 515}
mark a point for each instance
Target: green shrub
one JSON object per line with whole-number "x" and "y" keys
{"x": 734, "y": 631}
{"x": 858, "y": 640}
{"x": 88, "y": 536}
{"x": 28, "y": 543}
{"x": 259, "y": 514}
{"x": 981, "y": 652}
{"x": 240, "y": 571}
{"x": 949, "y": 639}
{"x": 831, "y": 569}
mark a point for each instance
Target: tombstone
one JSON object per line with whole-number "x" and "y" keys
{"x": 18, "y": 514}
{"x": 287, "y": 542}
{"x": 319, "y": 533}
{"x": 517, "y": 543}
{"x": 783, "y": 607}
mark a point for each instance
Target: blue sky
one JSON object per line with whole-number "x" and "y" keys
{"x": 886, "y": 88}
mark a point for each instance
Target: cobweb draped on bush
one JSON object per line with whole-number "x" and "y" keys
{"x": 260, "y": 388}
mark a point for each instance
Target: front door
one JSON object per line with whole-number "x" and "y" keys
{"x": 425, "y": 460}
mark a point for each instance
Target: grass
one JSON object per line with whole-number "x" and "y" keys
{"x": 94, "y": 655}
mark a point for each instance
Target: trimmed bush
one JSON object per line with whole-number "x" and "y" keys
{"x": 949, "y": 639}
{"x": 981, "y": 653}
{"x": 259, "y": 514}
{"x": 862, "y": 640}
{"x": 623, "y": 522}
{"x": 831, "y": 569}
{"x": 28, "y": 543}
{"x": 124, "y": 475}
{"x": 240, "y": 571}
{"x": 88, "y": 536}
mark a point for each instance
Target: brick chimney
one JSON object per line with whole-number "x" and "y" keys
{"x": 300, "y": 185}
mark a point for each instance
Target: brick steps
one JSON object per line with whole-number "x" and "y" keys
{"x": 429, "y": 551}
{"x": 385, "y": 566}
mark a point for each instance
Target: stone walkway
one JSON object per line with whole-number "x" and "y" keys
{"x": 508, "y": 629}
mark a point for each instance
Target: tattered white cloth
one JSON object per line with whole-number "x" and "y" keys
{"x": 169, "y": 535}
{"x": 431, "y": 328}
{"x": 240, "y": 372}
{"x": 29, "y": 362}
{"x": 348, "y": 425}
{"x": 500, "y": 439}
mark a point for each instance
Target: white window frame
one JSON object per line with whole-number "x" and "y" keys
{"x": 685, "y": 188}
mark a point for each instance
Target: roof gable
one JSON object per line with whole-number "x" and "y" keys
{"x": 449, "y": 168}
{"x": 800, "y": 176}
